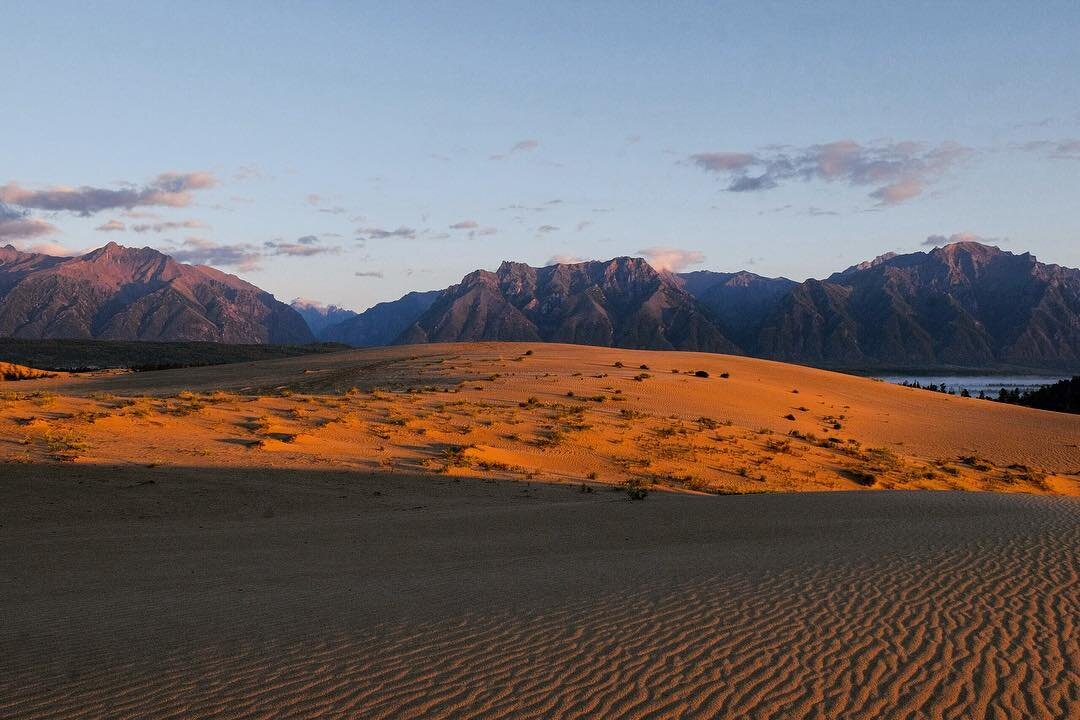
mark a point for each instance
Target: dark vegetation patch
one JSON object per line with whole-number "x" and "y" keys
{"x": 87, "y": 355}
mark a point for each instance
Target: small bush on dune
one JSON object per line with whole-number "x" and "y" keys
{"x": 701, "y": 374}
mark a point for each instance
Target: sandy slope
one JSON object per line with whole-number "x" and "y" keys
{"x": 245, "y": 594}
{"x": 425, "y": 532}
{"x": 562, "y": 413}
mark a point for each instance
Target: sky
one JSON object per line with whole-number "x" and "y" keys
{"x": 349, "y": 152}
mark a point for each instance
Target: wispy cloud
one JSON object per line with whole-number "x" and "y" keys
{"x": 1055, "y": 149}
{"x": 377, "y": 233}
{"x": 112, "y": 226}
{"x": 369, "y": 274}
{"x": 201, "y": 251}
{"x": 465, "y": 225}
{"x": 898, "y": 171}
{"x": 671, "y": 259}
{"x": 306, "y": 246}
{"x": 18, "y": 225}
{"x": 160, "y": 227}
{"x": 520, "y": 146}
{"x": 167, "y": 189}
{"x": 547, "y": 229}
{"x": 246, "y": 256}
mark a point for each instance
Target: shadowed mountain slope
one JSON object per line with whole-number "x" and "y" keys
{"x": 620, "y": 303}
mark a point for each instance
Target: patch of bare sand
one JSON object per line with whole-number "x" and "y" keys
{"x": 233, "y": 593}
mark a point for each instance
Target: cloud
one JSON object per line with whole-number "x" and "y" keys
{"x": 483, "y": 232}
{"x": 167, "y": 189}
{"x": 520, "y": 146}
{"x": 898, "y": 192}
{"x": 245, "y": 256}
{"x": 167, "y": 226}
{"x": 525, "y": 145}
{"x": 1056, "y": 149}
{"x": 723, "y": 161}
{"x": 369, "y": 273}
{"x": 201, "y": 251}
{"x": 583, "y": 224}
{"x": 465, "y": 225}
{"x": 565, "y": 260}
{"x": 306, "y": 246}
{"x": 18, "y": 225}
{"x": 375, "y": 233}
{"x": 671, "y": 259}
{"x": 112, "y": 226}
{"x": 547, "y": 229}
{"x": 898, "y": 171}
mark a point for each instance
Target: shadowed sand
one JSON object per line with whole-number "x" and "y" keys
{"x": 445, "y": 532}
{"x": 244, "y": 594}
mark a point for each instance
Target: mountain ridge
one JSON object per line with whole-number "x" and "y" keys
{"x": 965, "y": 304}
{"x": 122, "y": 293}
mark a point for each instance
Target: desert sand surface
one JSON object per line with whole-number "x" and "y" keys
{"x": 447, "y": 532}
{"x": 180, "y": 593}
{"x": 553, "y": 413}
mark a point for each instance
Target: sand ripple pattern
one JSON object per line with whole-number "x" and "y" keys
{"x": 983, "y": 630}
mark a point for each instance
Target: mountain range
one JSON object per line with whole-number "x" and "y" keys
{"x": 965, "y": 304}
{"x": 121, "y": 293}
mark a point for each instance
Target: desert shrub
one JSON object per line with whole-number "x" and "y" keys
{"x": 789, "y": 416}
{"x": 860, "y": 477}
{"x": 64, "y": 445}
{"x": 701, "y": 374}
{"x": 618, "y": 364}
{"x": 974, "y": 462}
{"x": 528, "y": 352}
{"x": 636, "y": 492}
{"x": 782, "y": 446}
{"x": 643, "y": 366}
{"x": 642, "y": 376}
{"x": 707, "y": 423}
{"x": 454, "y": 456}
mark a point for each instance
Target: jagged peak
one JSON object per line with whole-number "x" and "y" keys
{"x": 115, "y": 251}
{"x": 973, "y": 249}
{"x": 867, "y": 264}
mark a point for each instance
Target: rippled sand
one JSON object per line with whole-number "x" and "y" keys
{"x": 300, "y": 594}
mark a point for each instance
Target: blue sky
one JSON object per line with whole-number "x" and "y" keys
{"x": 328, "y": 150}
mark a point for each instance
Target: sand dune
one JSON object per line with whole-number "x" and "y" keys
{"x": 557, "y": 413}
{"x": 446, "y": 532}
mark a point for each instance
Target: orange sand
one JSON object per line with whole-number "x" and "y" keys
{"x": 561, "y": 414}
